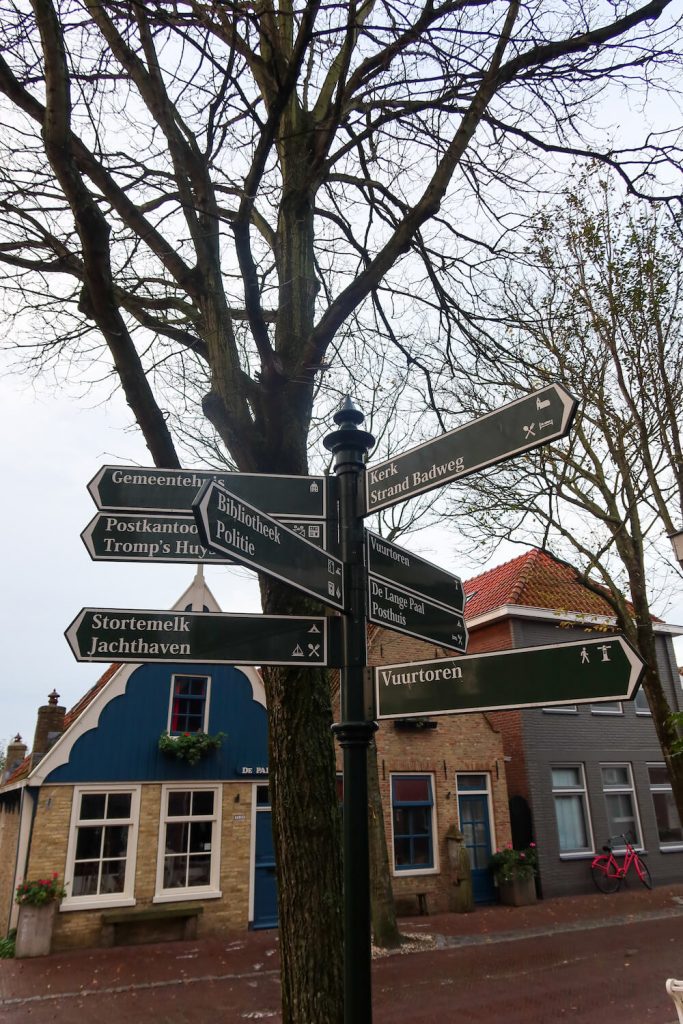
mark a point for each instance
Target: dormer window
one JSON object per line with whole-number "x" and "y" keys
{"x": 189, "y": 710}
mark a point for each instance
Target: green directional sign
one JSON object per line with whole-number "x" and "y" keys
{"x": 135, "y": 537}
{"x": 114, "y": 634}
{"x": 517, "y": 427}
{"x": 587, "y": 671}
{"x": 409, "y": 613}
{"x": 240, "y": 530}
{"x": 404, "y": 569}
{"x": 140, "y": 489}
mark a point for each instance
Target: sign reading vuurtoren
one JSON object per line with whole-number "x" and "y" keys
{"x": 606, "y": 669}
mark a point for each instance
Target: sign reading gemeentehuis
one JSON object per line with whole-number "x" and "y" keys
{"x": 134, "y": 488}
{"x": 516, "y": 427}
{"x": 114, "y": 634}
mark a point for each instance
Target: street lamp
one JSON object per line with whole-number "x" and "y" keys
{"x": 677, "y": 544}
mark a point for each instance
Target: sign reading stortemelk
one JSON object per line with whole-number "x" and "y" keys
{"x": 517, "y": 427}
{"x": 245, "y": 533}
{"x": 135, "y": 537}
{"x": 568, "y": 673}
{"x": 410, "y": 613}
{"x": 404, "y": 569}
{"x": 134, "y": 488}
{"x": 111, "y": 634}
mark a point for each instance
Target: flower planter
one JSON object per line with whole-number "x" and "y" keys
{"x": 520, "y": 892}
{"x": 34, "y": 930}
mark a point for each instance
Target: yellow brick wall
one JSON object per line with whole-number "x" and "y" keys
{"x": 82, "y": 928}
{"x": 460, "y": 743}
{"x": 9, "y": 836}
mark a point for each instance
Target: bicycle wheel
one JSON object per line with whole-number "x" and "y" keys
{"x": 643, "y": 872}
{"x": 604, "y": 880}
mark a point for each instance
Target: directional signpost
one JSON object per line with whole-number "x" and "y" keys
{"x": 528, "y": 677}
{"x": 132, "y": 537}
{"x": 518, "y": 427}
{"x": 146, "y": 515}
{"x": 113, "y": 634}
{"x": 245, "y": 533}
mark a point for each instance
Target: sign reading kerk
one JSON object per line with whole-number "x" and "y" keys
{"x": 588, "y": 671}
{"x": 517, "y": 427}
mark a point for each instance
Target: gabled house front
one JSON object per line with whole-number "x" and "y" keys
{"x": 576, "y": 774}
{"x": 130, "y": 826}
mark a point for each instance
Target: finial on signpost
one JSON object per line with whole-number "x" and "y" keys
{"x": 348, "y": 418}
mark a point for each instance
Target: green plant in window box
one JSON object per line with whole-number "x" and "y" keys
{"x": 510, "y": 865}
{"x": 40, "y": 891}
{"x": 190, "y": 746}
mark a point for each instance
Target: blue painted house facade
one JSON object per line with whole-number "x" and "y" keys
{"x": 127, "y": 825}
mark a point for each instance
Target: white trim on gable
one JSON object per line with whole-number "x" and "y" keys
{"x": 524, "y": 611}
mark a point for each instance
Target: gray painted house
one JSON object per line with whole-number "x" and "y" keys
{"x": 576, "y": 775}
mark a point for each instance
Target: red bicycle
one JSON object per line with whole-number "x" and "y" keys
{"x": 608, "y": 873}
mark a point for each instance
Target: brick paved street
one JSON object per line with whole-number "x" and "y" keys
{"x": 588, "y": 960}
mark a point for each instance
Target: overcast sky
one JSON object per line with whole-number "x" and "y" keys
{"x": 52, "y": 446}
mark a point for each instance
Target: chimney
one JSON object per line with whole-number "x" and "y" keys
{"x": 49, "y": 726}
{"x": 14, "y": 755}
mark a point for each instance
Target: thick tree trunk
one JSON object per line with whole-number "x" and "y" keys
{"x": 306, "y": 828}
{"x": 385, "y": 931}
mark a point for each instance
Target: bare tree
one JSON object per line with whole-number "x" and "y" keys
{"x": 217, "y": 203}
{"x": 601, "y": 310}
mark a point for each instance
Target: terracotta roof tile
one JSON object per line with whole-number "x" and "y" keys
{"x": 534, "y": 579}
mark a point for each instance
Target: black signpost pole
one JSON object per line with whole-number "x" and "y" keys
{"x": 349, "y": 446}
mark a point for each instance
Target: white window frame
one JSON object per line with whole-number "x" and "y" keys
{"x": 623, "y": 788}
{"x": 562, "y": 709}
{"x": 606, "y": 709}
{"x": 411, "y": 872}
{"x": 188, "y": 675}
{"x": 102, "y": 900}
{"x": 645, "y": 712}
{"x": 487, "y": 792}
{"x": 662, "y": 787}
{"x": 582, "y": 792}
{"x": 212, "y": 890}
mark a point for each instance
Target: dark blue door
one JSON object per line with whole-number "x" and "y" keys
{"x": 476, "y": 828}
{"x": 265, "y": 884}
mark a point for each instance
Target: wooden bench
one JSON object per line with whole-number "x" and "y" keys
{"x": 187, "y": 913}
{"x": 675, "y": 990}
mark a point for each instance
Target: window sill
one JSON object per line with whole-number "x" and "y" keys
{"x": 674, "y": 848}
{"x": 95, "y": 903}
{"x": 412, "y": 872}
{"x": 580, "y": 855}
{"x": 182, "y": 895}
